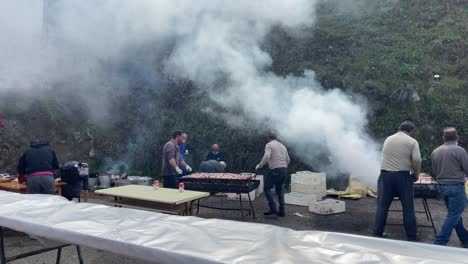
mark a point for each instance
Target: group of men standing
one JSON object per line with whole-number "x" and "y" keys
{"x": 276, "y": 156}
{"x": 401, "y": 165}
{"x": 173, "y": 160}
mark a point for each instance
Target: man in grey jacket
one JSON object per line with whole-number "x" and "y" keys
{"x": 277, "y": 157}
{"x": 450, "y": 167}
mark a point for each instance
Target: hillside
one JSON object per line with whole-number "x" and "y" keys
{"x": 385, "y": 51}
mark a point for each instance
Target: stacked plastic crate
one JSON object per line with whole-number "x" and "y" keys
{"x": 306, "y": 187}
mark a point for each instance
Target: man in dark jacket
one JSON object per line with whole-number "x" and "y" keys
{"x": 212, "y": 166}
{"x": 38, "y": 164}
{"x": 215, "y": 154}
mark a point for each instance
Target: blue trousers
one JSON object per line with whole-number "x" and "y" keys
{"x": 390, "y": 185}
{"x": 275, "y": 178}
{"x": 455, "y": 199}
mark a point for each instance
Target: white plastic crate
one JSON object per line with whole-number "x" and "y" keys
{"x": 309, "y": 182}
{"x": 327, "y": 207}
{"x": 302, "y": 199}
{"x": 309, "y": 178}
{"x": 310, "y": 189}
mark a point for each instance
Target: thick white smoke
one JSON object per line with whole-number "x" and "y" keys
{"x": 217, "y": 45}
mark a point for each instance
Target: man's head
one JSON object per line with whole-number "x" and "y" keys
{"x": 178, "y": 136}
{"x": 450, "y": 135}
{"x": 215, "y": 148}
{"x": 272, "y": 136}
{"x": 184, "y": 137}
{"x": 408, "y": 128}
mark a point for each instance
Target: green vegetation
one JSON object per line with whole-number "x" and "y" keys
{"x": 387, "y": 51}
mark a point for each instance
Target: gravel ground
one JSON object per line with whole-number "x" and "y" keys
{"x": 358, "y": 219}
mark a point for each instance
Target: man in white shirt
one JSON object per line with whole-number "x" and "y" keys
{"x": 277, "y": 157}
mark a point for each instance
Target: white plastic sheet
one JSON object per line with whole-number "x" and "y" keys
{"x": 176, "y": 239}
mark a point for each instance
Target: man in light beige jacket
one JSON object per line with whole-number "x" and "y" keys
{"x": 401, "y": 165}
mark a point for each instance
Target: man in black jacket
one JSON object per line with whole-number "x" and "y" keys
{"x": 38, "y": 164}
{"x": 215, "y": 154}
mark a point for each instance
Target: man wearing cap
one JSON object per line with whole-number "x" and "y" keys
{"x": 450, "y": 167}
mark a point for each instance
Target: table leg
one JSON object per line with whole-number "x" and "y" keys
{"x": 59, "y": 255}
{"x": 80, "y": 257}
{"x": 191, "y": 208}
{"x": 2, "y": 247}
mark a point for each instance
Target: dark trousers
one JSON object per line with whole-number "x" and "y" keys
{"x": 171, "y": 181}
{"x": 390, "y": 185}
{"x": 40, "y": 184}
{"x": 455, "y": 199}
{"x": 275, "y": 178}
{"x": 72, "y": 190}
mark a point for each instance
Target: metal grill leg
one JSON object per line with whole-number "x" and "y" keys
{"x": 80, "y": 258}
{"x": 425, "y": 209}
{"x": 59, "y": 255}
{"x": 242, "y": 206}
{"x": 430, "y": 216}
{"x": 2, "y": 247}
{"x": 251, "y": 206}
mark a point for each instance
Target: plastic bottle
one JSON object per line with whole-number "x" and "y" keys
{"x": 156, "y": 185}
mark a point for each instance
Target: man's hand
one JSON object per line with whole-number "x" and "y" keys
{"x": 179, "y": 171}
{"x": 257, "y": 167}
{"x": 188, "y": 168}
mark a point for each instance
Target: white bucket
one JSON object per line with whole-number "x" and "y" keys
{"x": 105, "y": 181}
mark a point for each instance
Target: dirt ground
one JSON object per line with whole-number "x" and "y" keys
{"x": 358, "y": 219}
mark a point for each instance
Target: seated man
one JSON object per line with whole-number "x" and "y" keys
{"x": 215, "y": 154}
{"x": 212, "y": 166}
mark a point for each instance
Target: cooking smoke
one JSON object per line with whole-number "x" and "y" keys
{"x": 215, "y": 44}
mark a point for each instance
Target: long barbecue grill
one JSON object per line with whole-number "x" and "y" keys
{"x": 223, "y": 183}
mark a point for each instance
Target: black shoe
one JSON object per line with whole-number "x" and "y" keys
{"x": 270, "y": 213}
{"x": 281, "y": 214}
